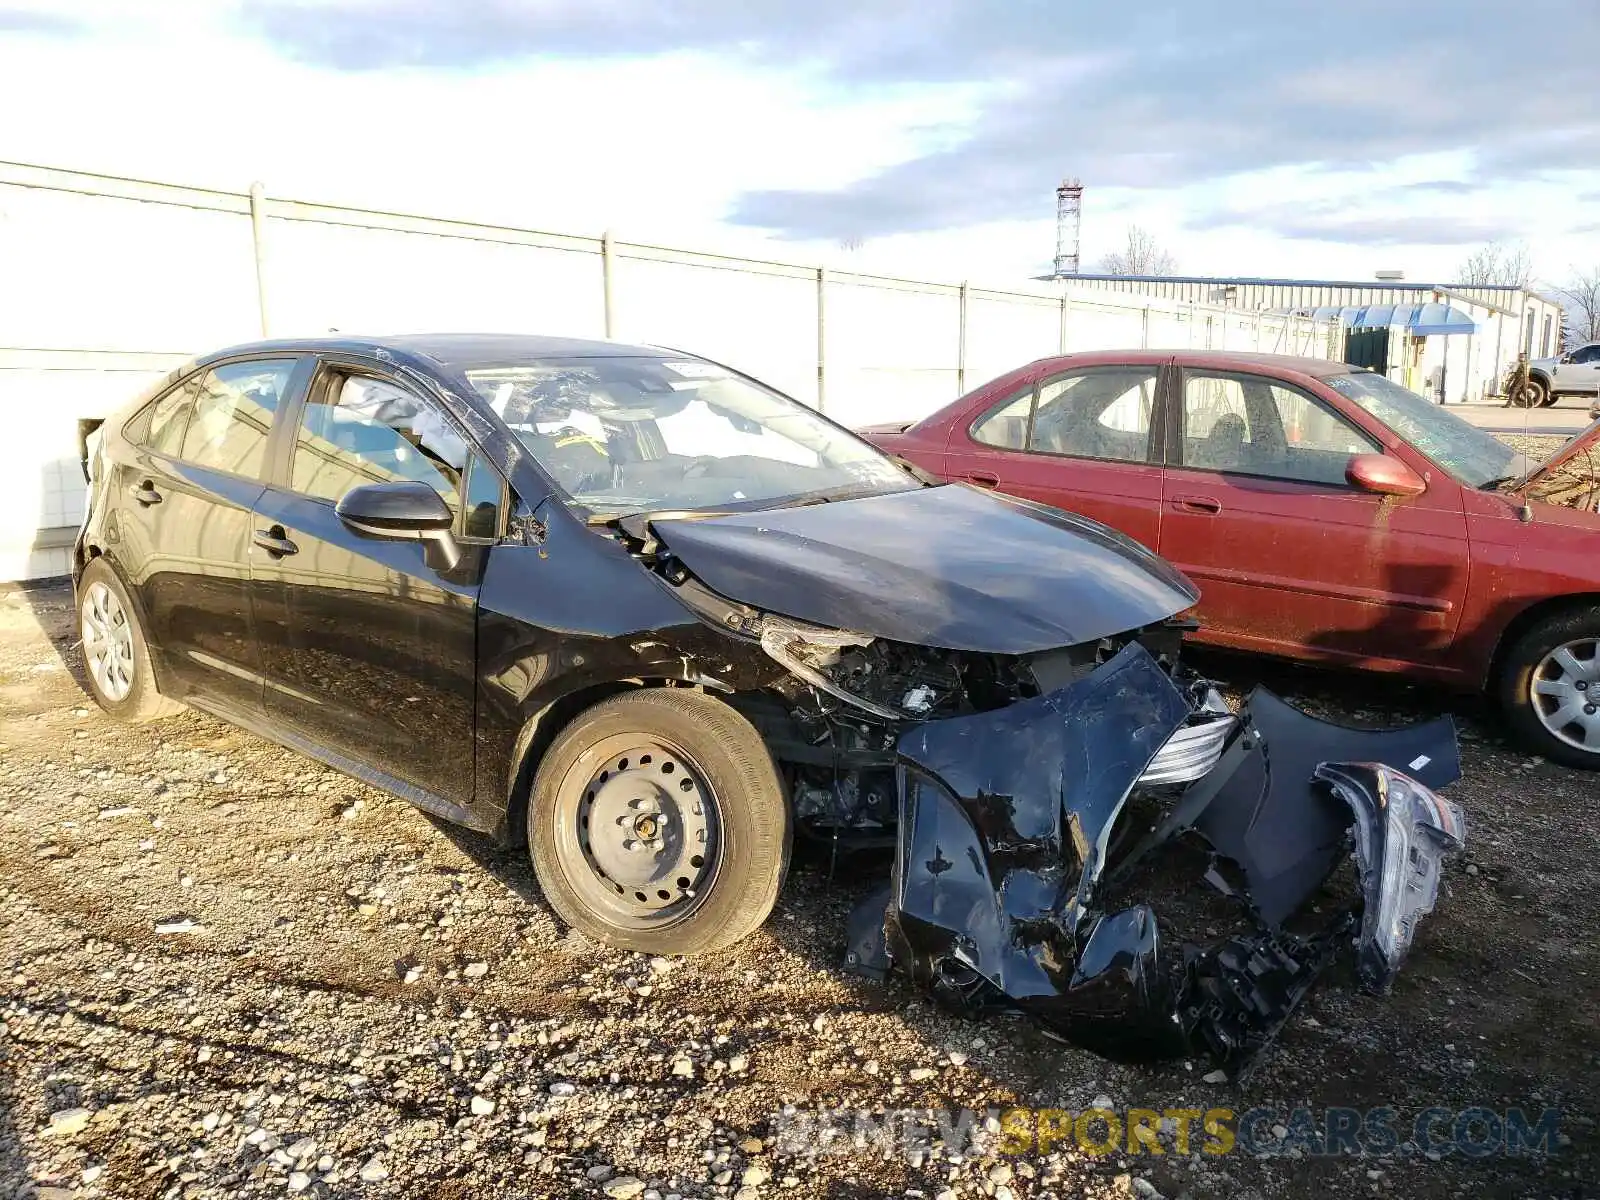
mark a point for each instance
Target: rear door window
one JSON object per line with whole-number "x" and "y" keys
{"x": 1006, "y": 425}
{"x": 1103, "y": 414}
{"x": 233, "y": 409}
{"x": 169, "y": 418}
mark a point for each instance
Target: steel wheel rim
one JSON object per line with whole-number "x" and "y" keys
{"x": 1565, "y": 693}
{"x": 107, "y": 642}
{"x": 638, "y": 831}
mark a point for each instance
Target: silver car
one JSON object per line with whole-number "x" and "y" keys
{"x": 1573, "y": 374}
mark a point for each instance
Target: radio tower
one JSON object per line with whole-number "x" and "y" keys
{"x": 1069, "y": 218}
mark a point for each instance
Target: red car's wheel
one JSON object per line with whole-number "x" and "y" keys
{"x": 1550, "y": 688}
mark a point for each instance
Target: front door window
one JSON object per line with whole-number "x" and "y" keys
{"x": 360, "y": 430}
{"x": 1250, "y": 425}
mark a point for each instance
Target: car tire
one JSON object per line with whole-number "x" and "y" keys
{"x": 116, "y": 656}
{"x": 1535, "y": 393}
{"x": 1545, "y": 680}
{"x": 657, "y": 822}
{"x": 1550, "y": 399}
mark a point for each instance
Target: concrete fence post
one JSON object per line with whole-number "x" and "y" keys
{"x": 822, "y": 339}
{"x": 1144, "y": 329}
{"x": 1066, "y": 316}
{"x": 607, "y": 259}
{"x": 258, "y": 222}
{"x": 961, "y": 341}
{"x": 1258, "y": 330}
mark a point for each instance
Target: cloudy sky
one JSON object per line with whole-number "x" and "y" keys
{"x": 924, "y": 137}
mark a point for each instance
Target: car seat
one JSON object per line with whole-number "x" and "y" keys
{"x": 1224, "y": 445}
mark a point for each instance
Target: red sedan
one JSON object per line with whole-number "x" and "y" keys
{"x": 1326, "y": 513}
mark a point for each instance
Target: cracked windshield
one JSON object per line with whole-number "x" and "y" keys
{"x": 627, "y": 435}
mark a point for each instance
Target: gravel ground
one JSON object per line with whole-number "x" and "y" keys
{"x": 225, "y": 971}
{"x": 1535, "y": 446}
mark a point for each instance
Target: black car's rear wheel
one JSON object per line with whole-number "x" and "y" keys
{"x": 116, "y": 657}
{"x": 658, "y": 823}
{"x": 1550, "y": 688}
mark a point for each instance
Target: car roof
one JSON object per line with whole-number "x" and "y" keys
{"x": 1319, "y": 368}
{"x": 451, "y": 350}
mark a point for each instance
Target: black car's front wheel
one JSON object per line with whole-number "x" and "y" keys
{"x": 1550, "y": 687}
{"x": 657, "y": 822}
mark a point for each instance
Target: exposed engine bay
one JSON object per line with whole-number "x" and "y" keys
{"x": 1038, "y": 798}
{"x": 1005, "y": 801}
{"x": 1011, "y": 790}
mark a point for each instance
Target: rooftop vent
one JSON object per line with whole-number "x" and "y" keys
{"x": 1390, "y": 276}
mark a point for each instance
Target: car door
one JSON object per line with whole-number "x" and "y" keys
{"x": 1085, "y": 440}
{"x": 1289, "y": 556}
{"x": 183, "y": 528}
{"x": 1581, "y": 374}
{"x": 369, "y": 646}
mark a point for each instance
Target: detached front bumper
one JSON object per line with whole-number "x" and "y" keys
{"x": 1005, "y": 839}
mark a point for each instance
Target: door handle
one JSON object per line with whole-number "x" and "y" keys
{"x": 145, "y": 492}
{"x": 986, "y": 479}
{"x": 274, "y": 541}
{"x": 1206, "y": 505}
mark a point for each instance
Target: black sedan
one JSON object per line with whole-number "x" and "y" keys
{"x": 656, "y": 619}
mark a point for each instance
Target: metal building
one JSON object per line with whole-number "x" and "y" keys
{"x": 1453, "y": 341}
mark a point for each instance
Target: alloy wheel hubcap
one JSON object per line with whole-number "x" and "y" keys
{"x": 645, "y": 826}
{"x": 107, "y": 642}
{"x": 1565, "y": 691}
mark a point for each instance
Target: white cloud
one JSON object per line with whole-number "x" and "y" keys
{"x": 664, "y": 148}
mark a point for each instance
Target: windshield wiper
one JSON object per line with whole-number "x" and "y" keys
{"x": 1495, "y": 484}
{"x": 829, "y": 495}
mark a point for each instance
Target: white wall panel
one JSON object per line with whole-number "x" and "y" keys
{"x": 108, "y": 283}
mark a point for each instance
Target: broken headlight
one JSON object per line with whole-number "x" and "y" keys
{"x": 810, "y": 650}
{"x": 1403, "y": 830}
{"x": 1195, "y": 748}
{"x": 893, "y": 681}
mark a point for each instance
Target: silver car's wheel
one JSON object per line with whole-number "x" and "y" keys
{"x": 1533, "y": 394}
{"x": 107, "y": 642}
{"x": 1564, "y": 692}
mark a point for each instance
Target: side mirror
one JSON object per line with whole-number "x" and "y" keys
{"x": 1385, "y": 475}
{"x": 402, "y": 511}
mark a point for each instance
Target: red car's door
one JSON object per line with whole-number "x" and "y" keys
{"x": 1083, "y": 440}
{"x": 1290, "y": 558}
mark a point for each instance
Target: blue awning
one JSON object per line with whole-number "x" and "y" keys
{"x": 1422, "y": 320}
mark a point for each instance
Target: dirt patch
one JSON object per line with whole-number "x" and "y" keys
{"x": 277, "y": 1043}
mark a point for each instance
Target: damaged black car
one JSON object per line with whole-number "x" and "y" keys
{"x": 657, "y": 621}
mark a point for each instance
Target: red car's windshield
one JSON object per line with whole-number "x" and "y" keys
{"x": 1467, "y": 454}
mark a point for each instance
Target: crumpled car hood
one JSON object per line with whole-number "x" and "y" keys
{"x": 949, "y": 567}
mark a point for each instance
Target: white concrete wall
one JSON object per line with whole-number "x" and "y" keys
{"x": 107, "y": 283}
